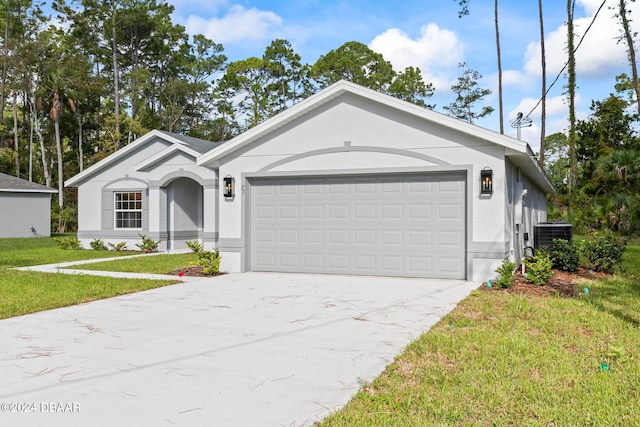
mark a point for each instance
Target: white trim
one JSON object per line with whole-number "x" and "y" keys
{"x": 15, "y": 190}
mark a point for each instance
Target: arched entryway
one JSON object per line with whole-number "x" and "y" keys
{"x": 184, "y": 212}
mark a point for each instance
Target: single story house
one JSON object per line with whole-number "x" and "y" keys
{"x": 25, "y": 208}
{"x": 348, "y": 181}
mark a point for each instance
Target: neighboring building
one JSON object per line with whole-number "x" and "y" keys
{"x": 25, "y": 208}
{"x": 349, "y": 181}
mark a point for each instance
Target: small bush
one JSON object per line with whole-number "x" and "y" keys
{"x": 68, "y": 243}
{"x": 565, "y": 255}
{"x": 195, "y": 246}
{"x": 209, "y": 261}
{"x": 538, "y": 268}
{"x": 118, "y": 247}
{"x": 604, "y": 251}
{"x": 147, "y": 244}
{"x": 98, "y": 245}
{"x": 505, "y": 271}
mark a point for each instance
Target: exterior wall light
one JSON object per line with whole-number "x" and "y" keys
{"x": 486, "y": 181}
{"x": 229, "y": 191}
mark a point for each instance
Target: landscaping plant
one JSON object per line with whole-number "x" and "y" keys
{"x": 68, "y": 243}
{"x": 147, "y": 244}
{"x": 538, "y": 268}
{"x": 118, "y": 247}
{"x": 604, "y": 251}
{"x": 505, "y": 271}
{"x": 98, "y": 245}
{"x": 565, "y": 255}
{"x": 209, "y": 261}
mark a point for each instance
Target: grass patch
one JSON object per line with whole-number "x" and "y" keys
{"x": 156, "y": 264}
{"x": 25, "y": 292}
{"x": 25, "y": 252}
{"x": 506, "y": 359}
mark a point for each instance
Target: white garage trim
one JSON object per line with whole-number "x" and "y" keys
{"x": 393, "y": 224}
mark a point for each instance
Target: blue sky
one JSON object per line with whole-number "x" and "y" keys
{"x": 428, "y": 34}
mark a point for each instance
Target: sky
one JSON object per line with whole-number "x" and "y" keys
{"x": 428, "y": 34}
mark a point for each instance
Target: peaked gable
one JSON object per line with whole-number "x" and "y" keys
{"x": 192, "y": 147}
{"x": 518, "y": 151}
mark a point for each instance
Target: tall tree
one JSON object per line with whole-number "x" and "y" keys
{"x": 464, "y": 11}
{"x": 543, "y": 58}
{"x": 628, "y": 35}
{"x": 293, "y": 82}
{"x": 500, "y": 107}
{"x": 354, "y": 62}
{"x": 571, "y": 89}
{"x": 467, "y": 96}
{"x": 409, "y": 86}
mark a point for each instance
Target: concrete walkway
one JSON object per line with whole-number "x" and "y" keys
{"x": 249, "y": 349}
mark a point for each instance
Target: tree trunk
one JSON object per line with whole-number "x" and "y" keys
{"x": 56, "y": 110}
{"x": 15, "y": 132}
{"x": 571, "y": 88}
{"x": 116, "y": 78}
{"x": 628, "y": 34}
{"x": 500, "y": 107}
{"x": 80, "y": 151}
{"x": 5, "y": 60}
{"x": 543, "y": 114}
{"x": 43, "y": 152}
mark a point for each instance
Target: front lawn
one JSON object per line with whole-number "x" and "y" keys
{"x": 36, "y": 251}
{"x": 510, "y": 359}
{"x": 156, "y": 264}
{"x": 26, "y": 292}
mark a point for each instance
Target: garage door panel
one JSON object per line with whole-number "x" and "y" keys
{"x": 404, "y": 225}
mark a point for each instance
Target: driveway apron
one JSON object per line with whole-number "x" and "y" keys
{"x": 247, "y": 349}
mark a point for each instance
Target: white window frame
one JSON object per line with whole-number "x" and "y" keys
{"x": 128, "y": 206}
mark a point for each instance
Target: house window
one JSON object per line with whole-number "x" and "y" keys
{"x": 128, "y": 210}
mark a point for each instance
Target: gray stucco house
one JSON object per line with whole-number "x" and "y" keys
{"x": 349, "y": 181}
{"x": 25, "y": 208}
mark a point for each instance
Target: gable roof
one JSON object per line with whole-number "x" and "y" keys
{"x": 180, "y": 143}
{"x": 11, "y": 184}
{"x": 517, "y": 151}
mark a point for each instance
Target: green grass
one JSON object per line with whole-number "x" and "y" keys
{"x": 157, "y": 264}
{"x": 504, "y": 359}
{"x": 36, "y": 251}
{"x": 26, "y": 292}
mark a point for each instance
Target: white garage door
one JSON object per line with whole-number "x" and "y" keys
{"x": 391, "y": 225}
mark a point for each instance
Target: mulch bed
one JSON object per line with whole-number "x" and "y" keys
{"x": 563, "y": 283}
{"x": 193, "y": 270}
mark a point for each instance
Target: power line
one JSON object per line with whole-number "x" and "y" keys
{"x": 567, "y": 63}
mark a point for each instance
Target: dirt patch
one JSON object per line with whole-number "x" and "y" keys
{"x": 193, "y": 270}
{"x": 563, "y": 283}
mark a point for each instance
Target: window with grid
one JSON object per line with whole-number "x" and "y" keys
{"x": 128, "y": 210}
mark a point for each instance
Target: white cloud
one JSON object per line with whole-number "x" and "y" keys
{"x": 238, "y": 25}
{"x": 435, "y": 51}
{"x": 599, "y": 54}
{"x": 198, "y": 6}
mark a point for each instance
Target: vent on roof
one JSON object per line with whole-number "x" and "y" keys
{"x": 545, "y": 232}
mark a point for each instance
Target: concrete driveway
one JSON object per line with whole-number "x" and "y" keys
{"x": 251, "y": 349}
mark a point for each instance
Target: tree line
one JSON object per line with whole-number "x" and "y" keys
{"x": 75, "y": 88}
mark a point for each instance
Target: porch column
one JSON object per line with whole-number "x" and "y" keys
{"x": 210, "y": 215}
{"x": 158, "y": 215}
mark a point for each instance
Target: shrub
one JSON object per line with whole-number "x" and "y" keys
{"x": 147, "y": 244}
{"x": 604, "y": 251}
{"x": 68, "y": 243}
{"x": 505, "y": 271}
{"x": 209, "y": 261}
{"x": 538, "y": 268}
{"x": 118, "y": 247}
{"x": 565, "y": 255}
{"x": 98, "y": 245}
{"x": 195, "y": 246}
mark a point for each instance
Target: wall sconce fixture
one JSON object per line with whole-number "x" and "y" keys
{"x": 228, "y": 187}
{"x": 486, "y": 181}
